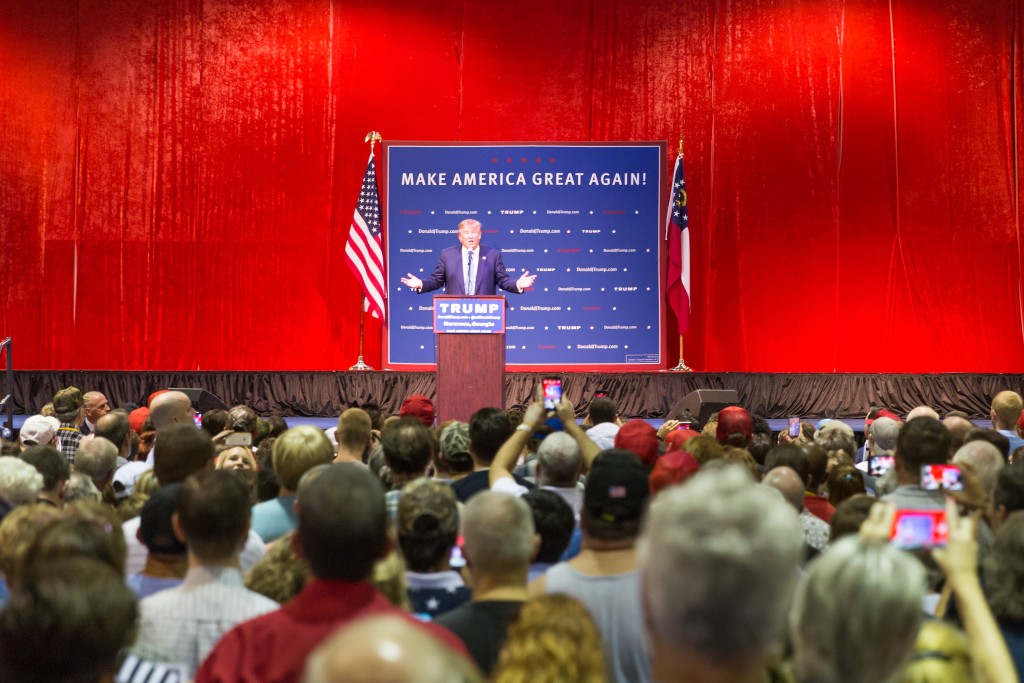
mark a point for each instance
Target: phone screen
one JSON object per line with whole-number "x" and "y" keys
{"x": 879, "y": 464}
{"x": 945, "y": 477}
{"x": 238, "y": 439}
{"x": 601, "y": 393}
{"x": 199, "y": 419}
{"x": 552, "y": 387}
{"x": 919, "y": 528}
{"x": 457, "y": 560}
{"x": 794, "y": 427}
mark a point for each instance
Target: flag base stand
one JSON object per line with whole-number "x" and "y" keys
{"x": 680, "y": 367}
{"x": 360, "y": 366}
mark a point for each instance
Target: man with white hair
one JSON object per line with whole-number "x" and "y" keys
{"x": 1006, "y": 411}
{"x": 20, "y": 483}
{"x": 718, "y": 560}
{"x": 498, "y": 537}
{"x": 985, "y": 459}
{"x": 97, "y": 459}
{"x": 96, "y": 406}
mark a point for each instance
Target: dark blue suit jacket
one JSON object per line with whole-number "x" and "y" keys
{"x": 490, "y": 273}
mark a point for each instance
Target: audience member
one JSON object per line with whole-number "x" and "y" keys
{"x": 408, "y": 449}
{"x": 922, "y": 441}
{"x": 993, "y": 437}
{"x": 295, "y": 452}
{"x": 718, "y": 559}
{"x": 353, "y": 435}
{"x": 80, "y": 487}
{"x": 985, "y": 460}
{"x": 553, "y": 639}
{"x": 428, "y": 527}
{"x": 167, "y": 557}
{"x": 97, "y": 459}
{"x": 69, "y": 624}
{"x": 170, "y": 408}
{"x": 843, "y": 483}
{"x": 787, "y": 482}
{"x": 38, "y": 430}
{"x": 856, "y": 614}
{"x": 1007, "y": 408}
{"x": 675, "y": 467}
{"x": 734, "y": 427}
{"x": 386, "y": 648}
{"x": 941, "y": 655}
{"x": 850, "y": 515}
{"x": 958, "y": 427}
{"x": 418, "y": 407}
{"x": 498, "y": 541}
{"x": 96, "y": 406}
{"x": 69, "y": 408}
{"x": 452, "y": 459}
{"x": 489, "y": 428}
{"x": 54, "y": 467}
{"x": 641, "y": 439}
{"x": 181, "y": 625}
{"x": 215, "y": 421}
{"x": 342, "y": 532}
{"x": 555, "y": 525}
{"x": 20, "y": 483}
{"x": 281, "y": 573}
{"x": 604, "y": 576}
{"x": 604, "y": 418}
{"x": 115, "y": 428}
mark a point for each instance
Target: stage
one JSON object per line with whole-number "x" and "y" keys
{"x": 648, "y": 395}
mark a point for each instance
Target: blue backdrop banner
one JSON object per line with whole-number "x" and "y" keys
{"x": 584, "y": 218}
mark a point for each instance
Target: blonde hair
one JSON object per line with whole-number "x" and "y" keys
{"x": 281, "y": 573}
{"x": 297, "y": 450}
{"x": 17, "y": 532}
{"x": 941, "y": 655}
{"x": 553, "y": 640}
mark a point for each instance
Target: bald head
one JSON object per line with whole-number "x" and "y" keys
{"x": 986, "y": 460}
{"x": 922, "y": 411}
{"x": 787, "y": 482}
{"x": 96, "y": 405}
{"x": 958, "y": 428}
{"x": 170, "y": 408}
{"x": 387, "y": 649}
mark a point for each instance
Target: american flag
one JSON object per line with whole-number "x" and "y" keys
{"x": 677, "y": 289}
{"x": 362, "y": 250}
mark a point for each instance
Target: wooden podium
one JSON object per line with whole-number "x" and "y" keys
{"x": 470, "y": 332}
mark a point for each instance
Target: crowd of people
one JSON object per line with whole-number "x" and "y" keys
{"x": 146, "y": 543}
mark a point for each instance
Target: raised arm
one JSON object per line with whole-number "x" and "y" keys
{"x": 506, "y": 457}
{"x": 567, "y": 414}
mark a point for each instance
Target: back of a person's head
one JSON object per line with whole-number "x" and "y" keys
{"x": 788, "y": 455}
{"x": 602, "y": 409}
{"x": 817, "y": 465}
{"x": 885, "y": 432}
{"x": 844, "y": 482}
{"x": 489, "y": 428}
{"x": 427, "y": 523}
{"x": 615, "y": 496}
{"x": 215, "y": 421}
{"x": 786, "y": 481}
{"x": 552, "y": 635}
{"x": 213, "y": 512}
{"x": 67, "y": 403}
{"x": 96, "y": 457}
{"x": 354, "y": 427}
{"x": 19, "y": 482}
{"x": 114, "y": 427}
{"x": 986, "y": 460}
{"x": 923, "y": 441}
{"x": 18, "y": 531}
{"x": 453, "y": 454}
{"x": 553, "y": 521}
{"x": 281, "y": 573}
{"x": 69, "y": 624}
{"x": 408, "y": 446}
{"x": 837, "y": 438}
{"x": 49, "y": 462}
{"x": 992, "y": 436}
{"x": 181, "y": 450}
{"x": 941, "y": 655}
{"x": 342, "y": 526}
{"x": 640, "y": 438}
{"x": 719, "y": 558}
{"x": 1009, "y": 491}
{"x": 76, "y": 537}
{"x": 559, "y": 460}
{"x": 1006, "y": 409}
{"x": 242, "y": 419}
{"x": 297, "y": 450}
{"x": 858, "y": 597}
{"x": 704, "y": 448}
{"x": 156, "y": 526}
{"x": 1004, "y": 570}
{"x": 386, "y": 648}
{"x": 497, "y": 531}
{"x": 850, "y": 514}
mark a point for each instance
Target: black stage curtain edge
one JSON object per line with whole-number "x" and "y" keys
{"x": 644, "y": 395}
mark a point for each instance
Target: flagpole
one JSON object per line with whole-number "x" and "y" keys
{"x": 372, "y": 137}
{"x": 680, "y": 366}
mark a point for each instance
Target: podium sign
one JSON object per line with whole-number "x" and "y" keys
{"x": 470, "y": 354}
{"x": 469, "y": 314}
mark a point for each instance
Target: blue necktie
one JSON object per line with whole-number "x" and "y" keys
{"x": 471, "y": 281}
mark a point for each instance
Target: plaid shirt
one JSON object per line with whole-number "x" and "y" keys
{"x": 70, "y": 437}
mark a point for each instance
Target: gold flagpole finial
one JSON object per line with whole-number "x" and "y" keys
{"x": 374, "y": 137}
{"x": 680, "y": 144}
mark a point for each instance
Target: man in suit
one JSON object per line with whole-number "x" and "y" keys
{"x": 473, "y": 263}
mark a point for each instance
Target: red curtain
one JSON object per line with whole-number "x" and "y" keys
{"x": 177, "y": 178}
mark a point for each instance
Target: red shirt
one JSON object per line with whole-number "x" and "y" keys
{"x": 273, "y": 648}
{"x": 819, "y": 507}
